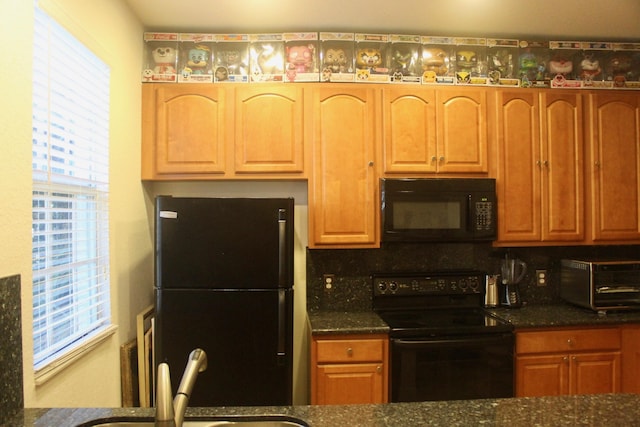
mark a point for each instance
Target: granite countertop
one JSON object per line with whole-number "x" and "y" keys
{"x": 528, "y": 316}
{"x": 595, "y": 410}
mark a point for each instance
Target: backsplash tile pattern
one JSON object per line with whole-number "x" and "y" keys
{"x": 351, "y": 290}
{"x": 11, "y": 400}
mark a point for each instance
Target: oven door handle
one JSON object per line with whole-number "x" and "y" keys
{"x": 447, "y": 342}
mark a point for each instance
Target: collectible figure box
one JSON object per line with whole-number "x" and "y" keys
{"x": 301, "y": 57}
{"x": 533, "y": 63}
{"x": 372, "y": 61}
{"x": 196, "y": 58}
{"x": 562, "y": 63}
{"x": 231, "y": 58}
{"x": 337, "y": 57}
{"x": 502, "y": 56}
{"x": 471, "y": 61}
{"x": 160, "y": 57}
{"x": 405, "y": 59}
{"x": 590, "y": 63}
{"x": 622, "y": 67}
{"x": 266, "y": 57}
{"x": 438, "y": 60}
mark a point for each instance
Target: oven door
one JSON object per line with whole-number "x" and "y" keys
{"x": 452, "y": 368}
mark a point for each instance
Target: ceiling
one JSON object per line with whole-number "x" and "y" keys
{"x": 595, "y": 20}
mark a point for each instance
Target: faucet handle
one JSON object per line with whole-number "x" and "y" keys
{"x": 164, "y": 401}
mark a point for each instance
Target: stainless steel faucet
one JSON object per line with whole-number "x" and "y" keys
{"x": 170, "y": 411}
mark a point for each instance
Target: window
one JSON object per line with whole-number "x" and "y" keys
{"x": 70, "y": 231}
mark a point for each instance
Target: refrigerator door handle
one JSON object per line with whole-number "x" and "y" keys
{"x": 282, "y": 326}
{"x": 282, "y": 247}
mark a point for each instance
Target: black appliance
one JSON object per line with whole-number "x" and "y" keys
{"x": 601, "y": 284}
{"x": 438, "y": 209}
{"x": 224, "y": 283}
{"x": 443, "y": 344}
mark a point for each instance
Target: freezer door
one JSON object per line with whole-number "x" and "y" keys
{"x": 224, "y": 243}
{"x": 248, "y": 338}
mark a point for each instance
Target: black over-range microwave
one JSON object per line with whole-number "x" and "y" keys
{"x": 438, "y": 209}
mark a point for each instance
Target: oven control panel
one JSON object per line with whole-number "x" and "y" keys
{"x": 429, "y": 284}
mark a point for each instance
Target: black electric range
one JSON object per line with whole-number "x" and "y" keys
{"x": 444, "y": 345}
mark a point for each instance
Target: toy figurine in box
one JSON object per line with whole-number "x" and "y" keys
{"x": 266, "y": 57}
{"x": 196, "y": 58}
{"x": 533, "y": 63}
{"x": 371, "y": 58}
{"x": 438, "y": 60}
{"x": 161, "y": 57}
{"x": 471, "y": 61}
{"x": 301, "y": 55}
{"x": 622, "y": 68}
{"x": 336, "y": 57}
{"x": 502, "y": 56}
{"x": 231, "y": 58}
{"x": 562, "y": 65}
{"x": 590, "y": 64}
{"x": 405, "y": 59}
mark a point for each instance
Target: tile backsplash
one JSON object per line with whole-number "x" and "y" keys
{"x": 11, "y": 400}
{"x": 351, "y": 290}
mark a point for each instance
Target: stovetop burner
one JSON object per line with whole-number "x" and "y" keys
{"x": 434, "y": 304}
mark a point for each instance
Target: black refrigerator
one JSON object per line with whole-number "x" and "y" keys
{"x": 224, "y": 283}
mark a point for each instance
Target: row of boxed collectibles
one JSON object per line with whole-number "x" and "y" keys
{"x": 383, "y": 58}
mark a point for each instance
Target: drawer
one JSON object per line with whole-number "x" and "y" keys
{"x": 346, "y": 350}
{"x": 568, "y": 340}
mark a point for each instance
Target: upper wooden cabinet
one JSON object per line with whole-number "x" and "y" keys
{"x": 343, "y": 187}
{"x": 429, "y": 130}
{"x": 539, "y": 168}
{"x": 614, "y": 169}
{"x": 205, "y": 131}
{"x": 269, "y": 130}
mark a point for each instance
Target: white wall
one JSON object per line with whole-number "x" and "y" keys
{"x": 114, "y": 34}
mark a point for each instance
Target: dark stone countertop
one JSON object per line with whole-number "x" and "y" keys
{"x": 526, "y": 317}
{"x": 612, "y": 410}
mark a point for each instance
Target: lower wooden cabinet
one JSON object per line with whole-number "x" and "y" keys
{"x": 568, "y": 361}
{"x": 349, "y": 369}
{"x": 631, "y": 358}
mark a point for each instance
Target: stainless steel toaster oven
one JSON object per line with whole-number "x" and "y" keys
{"x": 601, "y": 285}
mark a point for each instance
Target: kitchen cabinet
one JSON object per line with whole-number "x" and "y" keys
{"x": 343, "y": 186}
{"x": 349, "y": 369}
{"x": 568, "y": 361}
{"x": 204, "y": 131}
{"x": 539, "y": 167}
{"x": 614, "y": 169}
{"x": 631, "y": 358}
{"x": 429, "y": 130}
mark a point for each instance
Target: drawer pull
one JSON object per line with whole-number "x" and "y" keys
{"x": 349, "y": 351}
{"x": 569, "y": 342}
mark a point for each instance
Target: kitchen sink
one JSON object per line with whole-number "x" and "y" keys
{"x": 218, "y": 421}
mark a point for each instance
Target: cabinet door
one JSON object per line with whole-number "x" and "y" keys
{"x": 518, "y": 174}
{"x": 409, "y": 130}
{"x": 269, "y": 134}
{"x": 186, "y": 132}
{"x": 545, "y": 375}
{"x": 343, "y": 195}
{"x": 349, "y": 384}
{"x": 595, "y": 373}
{"x": 631, "y": 359}
{"x": 462, "y": 129}
{"x": 561, "y": 165}
{"x": 615, "y": 165}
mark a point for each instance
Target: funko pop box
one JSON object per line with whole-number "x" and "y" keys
{"x": 471, "y": 61}
{"x": 533, "y": 63}
{"x": 372, "y": 60}
{"x": 404, "y": 58}
{"x": 196, "y": 54}
{"x": 301, "y": 57}
{"x": 160, "y": 57}
{"x": 502, "y": 58}
{"x": 337, "y": 57}
{"x": 231, "y": 59}
{"x": 266, "y": 57}
{"x": 438, "y": 60}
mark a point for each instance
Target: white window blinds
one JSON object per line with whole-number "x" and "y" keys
{"x": 71, "y": 301}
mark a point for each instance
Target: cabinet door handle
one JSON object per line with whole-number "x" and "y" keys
{"x": 379, "y": 369}
{"x": 371, "y": 163}
{"x": 434, "y": 158}
{"x": 565, "y": 359}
